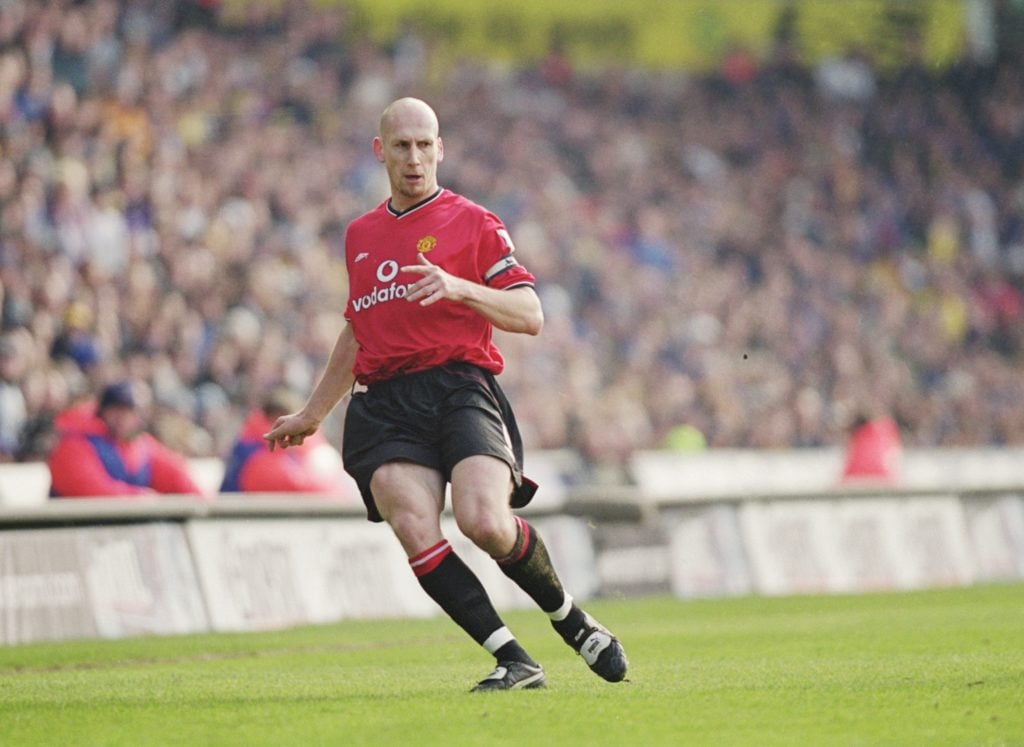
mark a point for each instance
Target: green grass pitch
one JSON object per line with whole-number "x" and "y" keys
{"x": 928, "y": 668}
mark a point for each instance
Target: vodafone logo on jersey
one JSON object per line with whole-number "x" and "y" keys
{"x": 387, "y": 271}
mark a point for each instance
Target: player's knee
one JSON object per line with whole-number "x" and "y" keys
{"x": 413, "y": 531}
{"x": 404, "y": 524}
{"x": 492, "y": 532}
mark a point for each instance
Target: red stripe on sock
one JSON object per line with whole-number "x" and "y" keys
{"x": 524, "y": 528}
{"x": 426, "y": 561}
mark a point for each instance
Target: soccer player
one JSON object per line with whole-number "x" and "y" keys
{"x": 430, "y": 275}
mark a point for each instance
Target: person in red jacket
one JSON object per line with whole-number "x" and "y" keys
{"x": 313, "y": 467}
{"x": 874, "y": 451}
{"x": 105, "y": 451}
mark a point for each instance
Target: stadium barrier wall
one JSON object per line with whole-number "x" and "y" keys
{"x": 726, "y": 522}
{"x": 260, "y": 574}
{"x": 97, "y": 568}
{"x": 804, "y": 544}
{"x": 101, "y": 568}
{"x": 97, "y": 582}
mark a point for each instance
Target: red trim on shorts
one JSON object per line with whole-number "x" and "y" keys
{"x": 426, "y": 561}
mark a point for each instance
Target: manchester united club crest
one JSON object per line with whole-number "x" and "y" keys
{"x": 425, "y": 244}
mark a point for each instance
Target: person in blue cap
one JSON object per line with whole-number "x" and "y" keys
{"x": 104, "y": 451}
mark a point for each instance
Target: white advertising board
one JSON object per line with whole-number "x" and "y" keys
{"x": 996, "y": 528}
{"x": 87, "y": 582}
{"x": 264, "y": 574}
{"x": 789, "y": 546}
{"x": 856, "y": 544}
{"x": 42, "y": 591}
{"x": 706, "y": 554}
{"x": 933, "y": 537}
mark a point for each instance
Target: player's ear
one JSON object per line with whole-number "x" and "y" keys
{"x": 440, "y": 149}
{"x": 378, "y": 149}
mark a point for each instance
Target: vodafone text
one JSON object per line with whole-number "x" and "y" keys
{"x": 381, "y": 295}
{"x": 386, "y": 272}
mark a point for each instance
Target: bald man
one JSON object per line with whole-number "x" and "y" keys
{"x": 431, "y": 274}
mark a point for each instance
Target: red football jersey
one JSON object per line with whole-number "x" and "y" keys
{"x": 396, "y": 336}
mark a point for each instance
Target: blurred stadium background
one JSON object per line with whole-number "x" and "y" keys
{"x": 752, "y": 223}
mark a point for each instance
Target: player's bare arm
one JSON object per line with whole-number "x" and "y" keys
{"x": 513, "y": 310}
{"x": 335, "y": 382}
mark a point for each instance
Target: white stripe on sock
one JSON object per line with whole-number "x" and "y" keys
{"x": 438, "y": 549}
{"x": 497, "y": 639}
{"x": 562, "y": 612}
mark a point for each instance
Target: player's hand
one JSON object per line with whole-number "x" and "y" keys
{"x": 291, "y": 430}
{"x": 434, "y": 285}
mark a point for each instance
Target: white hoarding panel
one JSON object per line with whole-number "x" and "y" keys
{"x": 856, "y": 544}
{"x": 789, "y": 545}
{"x": 932, "y": 535}
{"x": 996, "y": 529}
{"x": 91, "y": 582}
{"x": 263, "y": 574}
{"x": 42, "y": 592}
{"x": 866, "y": 545}
{"x": 706, "y": 555}
{"x": 141, "y": 580}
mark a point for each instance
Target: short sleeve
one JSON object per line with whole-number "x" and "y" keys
{"x": 497, "y": 262}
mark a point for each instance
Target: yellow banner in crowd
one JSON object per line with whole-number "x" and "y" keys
{"x": 666, "y": 33}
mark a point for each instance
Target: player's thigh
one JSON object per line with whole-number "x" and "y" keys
{"x": 481, "y": 486}
{"x": 410, "y": 498}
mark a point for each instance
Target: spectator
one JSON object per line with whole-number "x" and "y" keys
{"x": 874, "y": 451}
{"x": 840, "y": 222}
{"x": 76, "y": 341}
{"x": 13, "y": 411}
{"x": 313, "y": 467}
{"x": 104, "y": 451}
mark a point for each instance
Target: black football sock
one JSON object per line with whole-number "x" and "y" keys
{"x": 572, "y": 625}
{"x": 457, "y": 590}
{"x": 529, "y": 565}
{"x": 512, "y": 651}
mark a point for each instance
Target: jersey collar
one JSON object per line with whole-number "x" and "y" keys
{"x": 413, "y": 208}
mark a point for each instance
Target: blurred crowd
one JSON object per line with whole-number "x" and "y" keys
{"x": 752, "y": 257}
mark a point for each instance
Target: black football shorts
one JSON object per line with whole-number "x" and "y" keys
{"x": 436, "y": 418}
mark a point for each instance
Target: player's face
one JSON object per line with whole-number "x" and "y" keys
{"x": 410, "y": 150}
